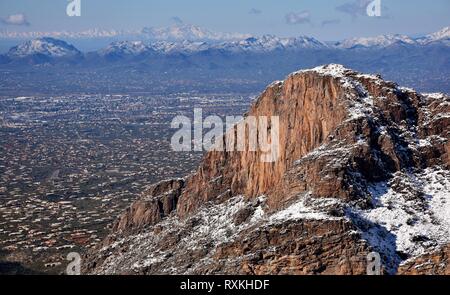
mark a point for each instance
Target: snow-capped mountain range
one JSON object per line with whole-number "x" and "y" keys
{"x": 269, "y": 43}
{"x": 175, "y": 32}
{"x": 379, "y": 41}
{"x": 180, "y": 32}
{"x": 266, "y": 43}
{"x": 52, "y": 47}
{"x": 442, "y": 36}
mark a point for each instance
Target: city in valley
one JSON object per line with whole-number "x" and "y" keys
{"x": 70, "y": 164}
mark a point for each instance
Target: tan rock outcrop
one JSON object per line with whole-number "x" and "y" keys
{"x": 157, "y": 202}
{"x": 436, "y": 263}
{"x": 339, "y": 132}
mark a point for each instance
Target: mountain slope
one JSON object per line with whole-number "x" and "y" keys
{"x": 46, "y": 46}
{"x": 442, "y": 36}
{"x": 268, "y": 43}
{"x": 376, "y": 42}
{"x": 44, "y": 50}
{"x": 125, "y": 48}
{"x": 363, "y": 166}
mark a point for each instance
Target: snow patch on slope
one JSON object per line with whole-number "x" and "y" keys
{"x": 316, "y": 209}
{"x": 410, "y": 217}
{"x": 212, "y": 226}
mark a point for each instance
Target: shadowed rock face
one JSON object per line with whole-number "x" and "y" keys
{"x": 158, "y": 201}
{"x": 343, "y": 136}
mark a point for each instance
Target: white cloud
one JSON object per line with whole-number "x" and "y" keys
{"x": 294, "y": 18}
{"x": 16, "y": 20}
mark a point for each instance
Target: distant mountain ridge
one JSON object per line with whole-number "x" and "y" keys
{"x": 250, "y": 63}
{"x": 266, "y": 43}
{"x": 442, "y": 36}
{"x": 175, "y": 32}
{"x": 379, "y": 41}
{"x": 181, "y": 39}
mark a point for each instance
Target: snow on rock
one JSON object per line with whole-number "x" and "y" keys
{"x": 436, "y": 95}
{"x": 410, "y": 215}
{"x": 213, "y": 225}
{"x": 306, "y": 208}
{"x": 438, "y": 101}
{"x": 334, "y": 70}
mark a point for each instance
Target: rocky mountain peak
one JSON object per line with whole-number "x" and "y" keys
{"x": 363, "y": 166}
{"x": 45, "y": 46}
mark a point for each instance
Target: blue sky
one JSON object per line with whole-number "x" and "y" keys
{"x": 324, "y": 19}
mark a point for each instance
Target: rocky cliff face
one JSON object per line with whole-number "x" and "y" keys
{"x": 363, "y": 166}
